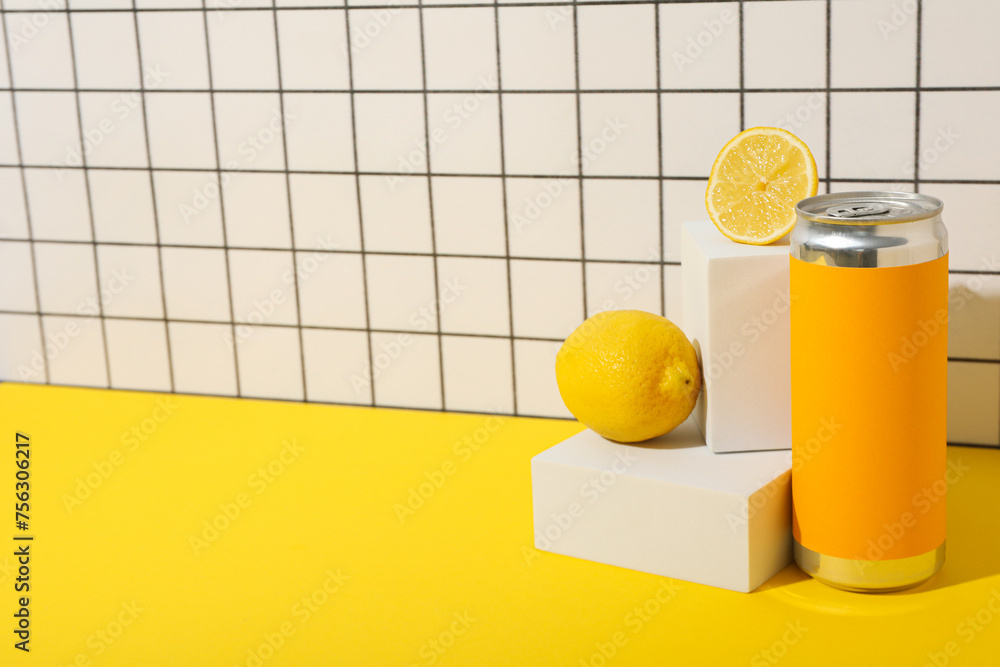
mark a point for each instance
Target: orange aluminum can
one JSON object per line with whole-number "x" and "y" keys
{"x": 869, "y": 363}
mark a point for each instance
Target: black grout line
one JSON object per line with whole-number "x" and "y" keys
{"x": 288, "y": 202}
{"x": 516, "y": 91}
{"x": 27, "y": 204}
{"x": 279, "y": 325}
{"x": 361, "y": 216}
{"x": 90, "y": 205}
{"x": 675, "y": 177}
{"x": 916, "y": 100}
{"x": 827, "y": 96}
{"x": 579, "y": 153}
{"x": 340, "y": 7}
{"x": 325, "y": 251}
{"x": 222, "y": 204}
{"x": 152, "y": 190}
{"x": 506, "y": 219}
{"x": 659, "y": 157}
{"x": 430, "y": 201}
{"x": 743, "y": 124}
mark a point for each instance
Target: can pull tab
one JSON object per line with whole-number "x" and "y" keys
{"x": 857, "y": 210}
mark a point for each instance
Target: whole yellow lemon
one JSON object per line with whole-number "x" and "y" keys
{"x": 629, "y": 375}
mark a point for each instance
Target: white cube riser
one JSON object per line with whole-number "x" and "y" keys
{"x": 736, "y": 303}
{"x": 647, "y": 509}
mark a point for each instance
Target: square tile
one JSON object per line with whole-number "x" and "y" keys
{"x": 242, "y": 50}
{"x": 958, "y": 136}
{"x": 411, "y": 378}
{"x": 469, "y": 215}
{"x": 391, "y": 59}
{"x": 270, "y": 363}
{"x": 547, "y": 298}
{"x": 871, "y": 135}
{"x": 4, "y": 72}
{"x": 673, "y": 293}
{"x": 390, "y": 132}
{"x": 395, "y": 213}
{"x": 473, "y": 296}
{"x": 174, "y": 42}
{"x": 973, "y": 403}
{"x": 530, "y": 36}
{"x": 167, "y": 4}
{"x": 401, "y": 293}
{"x": 613, "y": 286}
{"x": 49, "y": 128}
{"x": 318, "y": 131}
{"x": 203, "y": 360}
{"x": 325, "y": 211}
{"x": 114, "y": 134}
{"x": 868, "y": 49}
{"x": 535, "y": 379}
{"x": 100, "y": 4}
{"x": 181, "y": 130}
{"x": 249, "y": 129}
{"x": 309, "y": 3}
{"x": 34, "y": 5}
{"x": 129, "y": 278}
{"x": 17, "y": 274}
{"x": 256, "y": 210}
{"x": 188, "y": 207}
{"x": 618, "y": 134}
{"x": 464, "y": 132}
{"x": 543, "y": 217}
{"x": 242, "y": 4}
{"x": 768, "y": 43}
{"x": 312, "y": 45}
{"x": 953, "y": 38}
{"x": 695, "y": 128}
{"x": 263, "y": 287}
{"x": 104, "y": 45}
{"x": 699, "y": 45}
{"x": 621, "y": 219}
{"x": 67, "y": 278}
{"x": 802, "y": 114}
{"x": 77, "y": 353}
{"x": 617, "y": 45}
{"x": 973, "y": 236}
{"x": 540, "y": 134}
{"x": 122, "y": 202}
{"x": 460, "y": 48}
{"x": 8, "y": 135}
{"x": 21, "y": 350}
{"x": 13, "y": 215}
{"x": 974, "y": 316}
{"x": 137, "y": 355}
{"x": 331, "y": 289}
{"x": 196, "y": 284}
{"x": 40, "y": 58}
{"x": 332, "y": 363}
{"x": 477, "y": 374}
{"x": 683, "y": 201}
{"x": 57, "y": 199}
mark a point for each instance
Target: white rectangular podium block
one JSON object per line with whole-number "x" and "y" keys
{"x": 667, "y": 506}
{"x": 735, "y": 313}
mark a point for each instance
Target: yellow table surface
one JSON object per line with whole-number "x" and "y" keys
{"x": 319, "y": 568}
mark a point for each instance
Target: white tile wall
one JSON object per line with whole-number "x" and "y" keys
{"x": 328, "y": 201}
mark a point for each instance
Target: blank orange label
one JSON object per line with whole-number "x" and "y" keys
{"x": 869, "y": 358}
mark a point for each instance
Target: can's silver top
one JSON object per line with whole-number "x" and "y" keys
{"x": 869, "y": 208}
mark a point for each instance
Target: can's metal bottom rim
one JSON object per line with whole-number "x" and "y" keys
{"x": 870, "y": 576}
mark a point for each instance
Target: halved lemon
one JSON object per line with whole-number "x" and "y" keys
{"x": 756, "y": 181}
